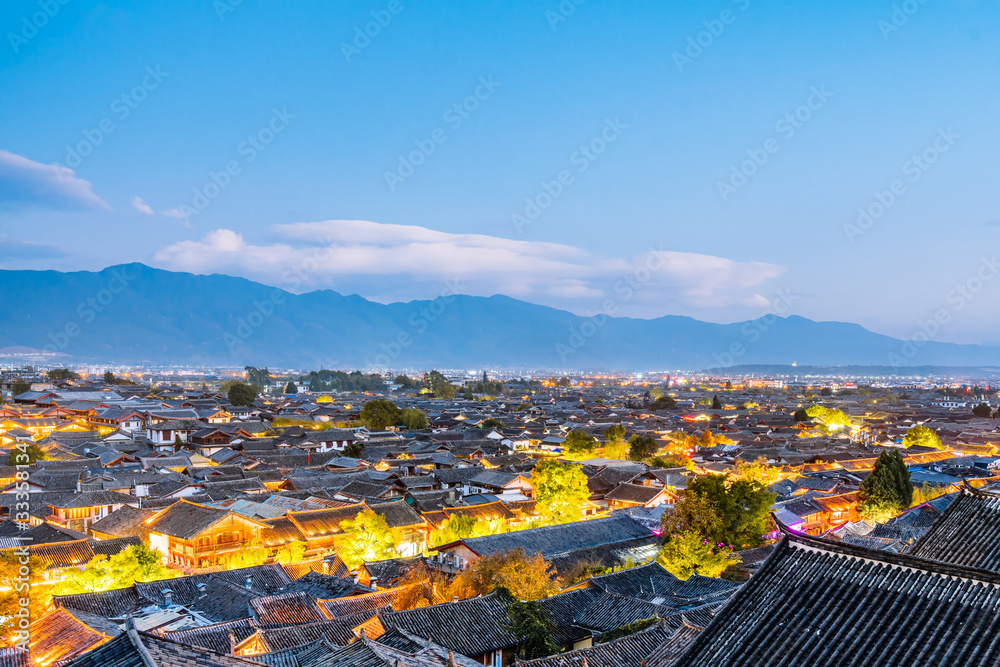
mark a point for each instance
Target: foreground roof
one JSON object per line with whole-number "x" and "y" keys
{"x": 966, "y": 533}
{"x": 819, "y": 603}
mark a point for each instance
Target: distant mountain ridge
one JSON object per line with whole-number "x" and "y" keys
{"x": 133, "y": 313}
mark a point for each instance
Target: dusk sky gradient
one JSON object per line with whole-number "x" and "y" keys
{"x": 671, "y": 133}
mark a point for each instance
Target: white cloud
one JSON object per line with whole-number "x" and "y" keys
{"x": 141, "y": 206}
{"x": 24, "y": 182}
{"x": 387, "y": 262}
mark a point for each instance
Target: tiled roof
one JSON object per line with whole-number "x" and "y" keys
{"x": 471, "y": 627}
{"x": 822, "y": 603}
{"x": 965, "y": 534}
{"x": 551, "y": 540}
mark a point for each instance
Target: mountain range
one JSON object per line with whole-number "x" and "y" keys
{"x": 133, "y": 313}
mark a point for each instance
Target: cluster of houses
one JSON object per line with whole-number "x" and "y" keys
{"x": 201, "y": 480}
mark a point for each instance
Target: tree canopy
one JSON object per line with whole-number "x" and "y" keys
{"x": 19, "y": 388}
{"x": 730, "y": 512}
{"x": 291, "y": 388}
{"x": 687, "y": 553}
{"x": 413, "y": 419}
{"x": 982, "y": 410}
{"x": 527, "y": 577}
{"x": 921, "y": 436}
{"x": 242, "y": 394}
{"x": 642, "y": 446}
{"x": 887, "y": 491}
{"x": 439, "y": 385}
{"x": 560, "y": 491}
{"x": 367, "y": 538}
{"x": 102, "y": 573}
{"x": 663, "y": 403}
{"x": 527, "y": 621}
{"x": 580, "y": 444}
{"x": 379, "y": 413}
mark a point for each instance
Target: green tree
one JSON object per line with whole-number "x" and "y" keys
{"x": 291, "y": 388}
{"x": 560, "y": 491}
{"x": 492, "y": 422}
{"x": 982, "y": 411}
{"x": 716, "y": 403}
{"x": 826, "y": 391}
{"x": 802, "y": 415}
{"x": 354, "y": 449}
{"x": 109, "y": 377}
{"x": 405, "y": 382}
{"x": 615, "y": 446}
{"x": 242, "y": 394}
{"x": 580, "y": 444}
{"x": 686, "y": 553}
{"x": 564, "y": 382}
{"x": 413, "y": 419}
{"x": 829, "y": 419}
{"x": 663, "y": 403}
{"x": 368, "y": 537}
{"x": 19, "y": 388}
{"x": 614, "y": 432}
{"x": 25, "y": 453}
{"x": 57, "y": 374}
{"x": 734, "y": 513}
{"x": 439, "y": 385}
{"x": 887, "y": 491}
{"x": 379, "y": 413}
{"x": 642, "y": 446}
{"x": 758, "y": 470}
{"x": 921, "y": 436}
{"x": 103, "y": 573}
{"x": 258, "y": 376}
{"x": 527, "y": 621}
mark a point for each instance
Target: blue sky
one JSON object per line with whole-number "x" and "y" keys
{"x": 312, "y": 139}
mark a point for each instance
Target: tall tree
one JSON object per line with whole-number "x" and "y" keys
{"x": 242, "y": 394}
{"x": 413, "y": 419}
{"x": 379, "y": 413}
{"x": 642, "y": 446}
{"x": 921, "y": 436}
{"x": 716, "y": 403}
{"x": 560, "y": 491}
{"x": 580, "y": 444}
{"x": 20, "y": 387}
{"x": 291, "y": 388}
{"x": 368, "y": 537}
{"x": 982, "y": 411}
{"x": 734, "y": 513}
{"x": 887, "y": 491}
{"x": 527, "y": 621}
